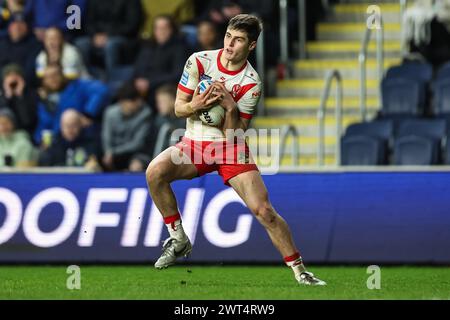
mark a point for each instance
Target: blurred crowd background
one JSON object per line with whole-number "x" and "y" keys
{"x": 97, "y": 96}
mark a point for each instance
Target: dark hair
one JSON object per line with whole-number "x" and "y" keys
{"x": 128, "y": 92}
{"x": 167, "y": 89}
{"x": 170, "y": 19}
{"x": 250, "y": 24}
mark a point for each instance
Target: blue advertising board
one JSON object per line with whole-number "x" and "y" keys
{"x": 359, "y": 217}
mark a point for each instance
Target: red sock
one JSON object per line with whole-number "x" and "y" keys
{"x": 293, "y": 260}
{"x": 172, "y": 220}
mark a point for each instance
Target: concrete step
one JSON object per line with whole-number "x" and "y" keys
{"x": 307, "y": 145}
{"x": 315, "y": 87}
{"x": 349, "y": 69}
{"x": 305, "y": 160}
{"x": 350, "y": 49}
{"x": 354, "y": 31}
{"x": 309, "y": 106}
{"x": 307, "y": 125}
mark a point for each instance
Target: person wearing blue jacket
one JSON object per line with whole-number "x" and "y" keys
{"x": 44, "y": 14}
{"x": 58, "y": 94}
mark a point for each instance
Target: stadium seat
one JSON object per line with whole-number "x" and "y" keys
{"x": 402, "y": 96}
{"x": 362, "y": 150}
{"x": 447, "y": 151}
{"x": 414, "y": 150}
{"x": 382, "y": 129}
{"x": 433, "y": 129}
{"x": 444, "y": 71}
{"x": 366, "y": 143}
{"x": 412, "y": 70}
{"x": 419, "y": 133}
{"x": 441, "y": 96}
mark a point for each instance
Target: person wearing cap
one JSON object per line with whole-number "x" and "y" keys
{"x": 16, "y": 149}
{"x": 17, "y": 97}
{"x": 20, "y": 46}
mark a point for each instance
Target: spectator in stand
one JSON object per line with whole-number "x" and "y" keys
{"x": 165, "y": 106}
{"x": 221, "y": 11}
{"x": 44, "y": 14}
{"x": 426, "y": 31}
{"x": 16, "y": 149}
{"x": 126, "y": 126}
{"x": 71, "y": 147}
{"x": 112, "y": 25}
{"x": 16, "y": 96}
{"x": 58, "y": 94}
{"x": 207, "y": 36}
{"x": 58, "y": 51}
{"x": 182, "y": 11}
{"x": 8, "y": 8}
{"x": 161, "y": 59}
{"x": 20, "y": 46}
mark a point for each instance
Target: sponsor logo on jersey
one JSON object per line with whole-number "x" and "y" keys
{"x": 184, "y": 78}
{"x": 235, "y": 91}
{"x": 256, "y": 94}
{"x": 188, "y": 64}
{"x": 205, "y": 77}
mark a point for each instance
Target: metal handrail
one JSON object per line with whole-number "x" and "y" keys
{"x": 284, "y": 38}
{"x": 302, "y": 28}
{"x": 284, "y": 134}
{"x": 403, "y": 5}
{"x": 362, "y": 57}
{"x": 333, "y": 74}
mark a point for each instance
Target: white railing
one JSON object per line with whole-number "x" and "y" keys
{"x": 363, "y": 67}
{"x": 285, "y": 132}
{"x": 333, "y": 74}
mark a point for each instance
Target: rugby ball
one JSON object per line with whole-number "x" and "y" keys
{"x": 213, "y": 116}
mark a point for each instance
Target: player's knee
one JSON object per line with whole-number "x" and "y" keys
{"x": 265, "y": 213}
{"x": 156, "y": 173}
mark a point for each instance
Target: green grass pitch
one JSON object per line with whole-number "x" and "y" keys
{"x": 220, "y": 282}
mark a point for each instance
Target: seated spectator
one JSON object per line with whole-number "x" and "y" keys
{"x": 16, "y": 149}
{"x": 161, "y": 59}
{"x": 165, "y": 97}
{"x": 8, "y": 8}
{"x": 71, "y": 147}
{"x": 221, "y": 11}
{"x": 426, "y": 31}
{"x": 20, "y": 46}
{"x": 165, "y": 105}
{"x": 126, "y": 126}
{"x": 111, "y": 25}
{"x": 57, "y": 51}
{"x": 182, "y": 11}
{"x": 58, "y": 94}
{"x": 16, "y": 96}
{"x": 45, "y": 14}
{"x": 207, "y": 36}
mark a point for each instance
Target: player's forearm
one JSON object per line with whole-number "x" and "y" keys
{"x": 232, "y": 120}
{"x": 183, "y": 110}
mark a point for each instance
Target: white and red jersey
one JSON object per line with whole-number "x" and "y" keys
{"x": 244, "y": 85}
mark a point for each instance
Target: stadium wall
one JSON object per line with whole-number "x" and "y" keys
{"x": 340, "y": 217}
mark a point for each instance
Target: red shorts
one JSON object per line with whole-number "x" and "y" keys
{"x": 228, "y": 159}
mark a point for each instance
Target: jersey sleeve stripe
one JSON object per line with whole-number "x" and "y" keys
{"x": 245, "y": 115}
{"x": 186, "y": 90}
{"x": 201, "y": 70}
{"x": 243, "y": 91}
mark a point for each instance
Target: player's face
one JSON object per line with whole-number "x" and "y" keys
{"x": 237, "y": 46}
